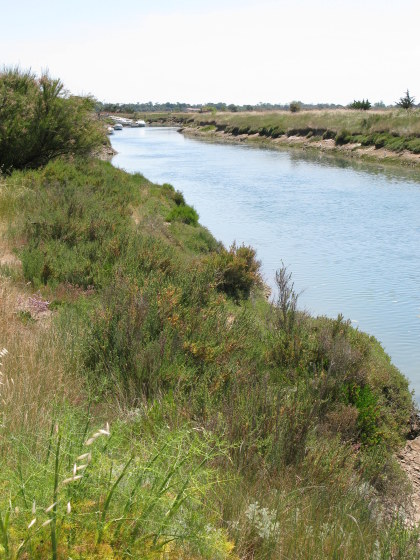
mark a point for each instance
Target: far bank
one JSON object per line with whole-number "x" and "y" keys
{"x": 390, "y": 137}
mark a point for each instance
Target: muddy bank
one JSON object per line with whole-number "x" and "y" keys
{"x": 328, "y": 146}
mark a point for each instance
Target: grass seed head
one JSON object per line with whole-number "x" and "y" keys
{"x": 87, "y": 456}
{"x": 52, "y": 506}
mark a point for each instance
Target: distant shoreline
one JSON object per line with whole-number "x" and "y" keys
{"x": 385, "y": 137}
{"x": 351, "y": 151}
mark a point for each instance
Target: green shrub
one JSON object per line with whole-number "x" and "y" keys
{"x": 366, "y": 402}
{"x": 237, "y": 271}
{"x": 407, "y": 101}
{"x": 39, "y": 121}
{"x": 179, "y": 198}
{"x": 363, "y": 105}
{"x": 295, "y": 106}
{"x": 183, "y": 213}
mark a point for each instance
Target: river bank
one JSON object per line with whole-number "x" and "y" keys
{"x": 328, "y": 146}
{"x": 385, "y": 137}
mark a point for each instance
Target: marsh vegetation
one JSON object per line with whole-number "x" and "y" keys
{"x": 155, "y": 405}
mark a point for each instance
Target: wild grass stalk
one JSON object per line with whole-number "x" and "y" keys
{"x": 4, "y": 529}
{"x": 55, "y": 500}
{"x": 108, "y": 500}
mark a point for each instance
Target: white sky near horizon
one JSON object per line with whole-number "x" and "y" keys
{"x": 221, "y": 50}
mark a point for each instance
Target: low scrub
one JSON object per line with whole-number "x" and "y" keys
{"x": 284, "y": 422}
{"x": 183, "y": 213}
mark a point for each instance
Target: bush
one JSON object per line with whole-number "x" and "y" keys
{"x": 183, "y": 213}
{"x": 295, "y": 106}
{"x": 179, "y": 198}
{"x": 406, "y": 102}
{"x": 39, "y": 121}
{"x": 363, "y": 105}
{"x": 237, "y": 271}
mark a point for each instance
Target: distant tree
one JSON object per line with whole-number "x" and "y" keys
{"x": 232, "y": 108}
{"x": 406, "y": 102}
{"x": 295, "y": 106}
{"x": 379, "y": 105}
{"x": 363, "y": 105}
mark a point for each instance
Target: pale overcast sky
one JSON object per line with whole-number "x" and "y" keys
{"x": 221, "y": 50}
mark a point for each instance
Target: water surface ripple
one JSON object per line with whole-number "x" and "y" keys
{"x": 350, "y": 235}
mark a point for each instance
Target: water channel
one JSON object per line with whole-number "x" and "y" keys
{"x": 349, "y": 233}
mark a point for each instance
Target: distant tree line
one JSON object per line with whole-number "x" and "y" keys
{"x": 406, "y": 102}
{"x": 150, "y": 107}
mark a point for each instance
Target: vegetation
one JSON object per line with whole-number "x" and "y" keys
{"x": 152, "y": 326}
{"x": 363, "y": 105}
{"x": 154, "y": 404}
{"x": 396, "y": 130}
{"x": 295, "y": 106}
{"x": 406, "y": 102}
{"x": 168, "y": 107}
{"x": 39, "y": 121}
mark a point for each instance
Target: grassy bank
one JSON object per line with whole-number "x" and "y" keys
{"x": 155, "y": 405}
{"x": 392, "y": 136}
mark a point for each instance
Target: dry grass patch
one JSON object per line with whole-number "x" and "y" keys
{"x": 35, "y": 376}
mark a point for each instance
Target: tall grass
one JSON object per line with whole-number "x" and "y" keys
{"x": 125, "y": 496}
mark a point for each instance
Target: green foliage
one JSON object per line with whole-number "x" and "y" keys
{"x": 406, "y": 102}
{"x": 209, "y": 128}
{"x": 147, "y": 491}
{"x": 366, "y": 402}
{"x": 343, "y": 137}
{"x": 236, "y": 271}
{"x": 165, "y": 328}
{"x": 295, "y": 106}
{"x": 76, "y": 233}
{"x": 413, "y": 145}
{"x": 183, "y": 213}
{"x": 363, "y": 105}
{"x": 179, "y": 198}
{"x": 39, "y": 121}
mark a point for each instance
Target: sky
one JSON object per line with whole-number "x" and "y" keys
{"x": 196, "y": 51}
